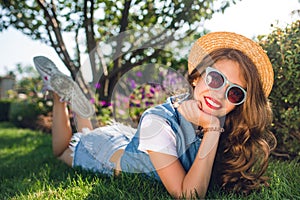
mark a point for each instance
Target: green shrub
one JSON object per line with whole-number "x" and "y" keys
{"x": 4, "y": 110}
{"x": 283, "y": 49}
{"x": 24, "y": 114}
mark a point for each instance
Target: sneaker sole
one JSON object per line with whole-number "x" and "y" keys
{"x": 46, "y": 69}
{"x": 67, "y": 88}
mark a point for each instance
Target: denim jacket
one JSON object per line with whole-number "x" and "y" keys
{"x": 187, "y": 143}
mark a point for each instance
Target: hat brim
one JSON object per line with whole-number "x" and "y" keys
{"x": 217, "y": 40}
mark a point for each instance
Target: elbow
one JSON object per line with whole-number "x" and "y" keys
{"x": 189, "y": 193}
{"x": 194, "y": 192}
{"x": 56, "y": 153}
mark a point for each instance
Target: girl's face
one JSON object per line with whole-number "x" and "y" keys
{"x": 214, "y": 102}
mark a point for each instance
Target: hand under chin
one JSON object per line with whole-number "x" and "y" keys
{"x": 193, "y": 112}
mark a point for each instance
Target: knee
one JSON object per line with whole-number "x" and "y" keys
{"x": 56, "y": 153}
{"x": 66, "y": 157}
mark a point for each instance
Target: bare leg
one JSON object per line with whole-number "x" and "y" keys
{"x": 83, "y": 123}
{"x": 61, "y": 131}
{"x": 61, "y": 128}
{"x": 66, "y": 88}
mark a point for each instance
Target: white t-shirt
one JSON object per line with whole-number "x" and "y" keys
{"x": 157, "y": 135}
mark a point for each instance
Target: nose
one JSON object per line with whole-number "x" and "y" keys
{"x": 220, "y": 93}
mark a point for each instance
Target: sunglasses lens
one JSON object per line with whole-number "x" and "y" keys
{"x": 235, "y": 95}
{"x": 214, "y": 80}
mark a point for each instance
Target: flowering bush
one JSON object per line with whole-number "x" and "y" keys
{"x": 144, "y": 87}
{"x": 143, "y": 97}
{"x": 283, "y": 49}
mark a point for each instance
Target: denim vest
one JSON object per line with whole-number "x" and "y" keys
{"x": 187, "y": 143}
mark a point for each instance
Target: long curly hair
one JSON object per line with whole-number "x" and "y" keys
{"x": 244, "y": 148}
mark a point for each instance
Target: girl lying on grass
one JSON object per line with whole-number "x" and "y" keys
{"x": 219, "y": 135}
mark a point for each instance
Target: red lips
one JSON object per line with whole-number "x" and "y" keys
{"x": 212, "y": 103}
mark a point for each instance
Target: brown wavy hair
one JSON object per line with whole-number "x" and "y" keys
{"x": 244, "y": 148}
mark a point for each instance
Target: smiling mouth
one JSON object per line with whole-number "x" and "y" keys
{"x": 212, "y": 103}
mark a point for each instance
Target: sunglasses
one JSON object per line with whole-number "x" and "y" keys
{"x": 215, "y": 80}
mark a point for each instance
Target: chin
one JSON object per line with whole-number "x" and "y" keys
{"x": 216, "y": 113}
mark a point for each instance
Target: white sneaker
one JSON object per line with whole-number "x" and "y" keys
{"x": 46, "y": 69}
{"x": 64, "y": 86}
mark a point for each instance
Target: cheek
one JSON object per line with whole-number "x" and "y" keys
{"x": 229, "y": 107}
{"x": 199, "y": 88}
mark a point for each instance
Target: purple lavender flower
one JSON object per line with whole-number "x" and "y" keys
{"x": 132, "y": 83}
{"x": 104, "y": 103}
{"x": 149, "y": 103}
{"x": 97, "y": 85}
{"x": 139, "y": 74}
{"x": 152, "y": 90}
{"x": 92, "y": 100}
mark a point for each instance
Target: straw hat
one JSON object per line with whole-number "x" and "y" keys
{"x": 212, "y": 41}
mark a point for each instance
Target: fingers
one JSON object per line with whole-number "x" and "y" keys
{"x": 192, "y": 111}
{"x": 188, "y": 110}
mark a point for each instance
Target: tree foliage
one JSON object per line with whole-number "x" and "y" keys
{"x": 90, "y": 22}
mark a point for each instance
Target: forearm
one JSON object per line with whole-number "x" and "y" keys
{"x": 198, "y": 177}
{"x": 196, "y": 180}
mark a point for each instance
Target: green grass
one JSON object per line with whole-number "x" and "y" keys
{"x": 29, "y": 171}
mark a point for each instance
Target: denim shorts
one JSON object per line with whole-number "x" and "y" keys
{"x": 93, "y": 149}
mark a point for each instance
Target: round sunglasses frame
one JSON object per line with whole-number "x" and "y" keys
{"x": 226, "y": 81}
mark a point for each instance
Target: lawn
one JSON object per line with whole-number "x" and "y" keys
{"x": 29, "y": 171}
